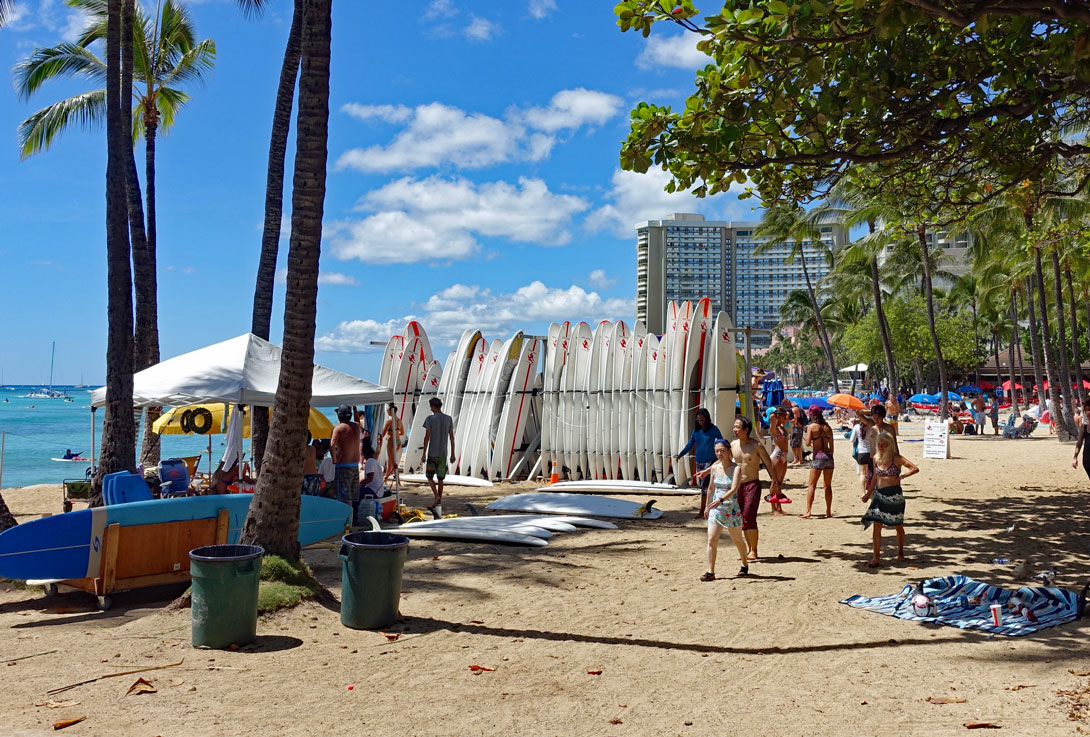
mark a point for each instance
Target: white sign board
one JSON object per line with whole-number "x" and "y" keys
{"x": 936, "y": 439}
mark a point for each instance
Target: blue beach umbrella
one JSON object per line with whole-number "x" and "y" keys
{"x": 970, "y": 389}
{"x": 951, "y": 396}
{"x": 923, "y": 399}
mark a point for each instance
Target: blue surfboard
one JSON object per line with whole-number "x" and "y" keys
{"x": 70, "y": 545}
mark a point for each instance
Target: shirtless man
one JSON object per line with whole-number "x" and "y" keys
{"x": 979, "y": 406}
{"x": 749, "y": 455}
{"x": 893, "y": 410}
{"x": 344, "y": 448}
{"x": 878, "y": 413}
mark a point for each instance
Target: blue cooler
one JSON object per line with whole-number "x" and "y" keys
{"x": 174, "y": 476}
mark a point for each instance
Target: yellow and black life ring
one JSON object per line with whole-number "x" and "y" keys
{"x": 200, "y": 420}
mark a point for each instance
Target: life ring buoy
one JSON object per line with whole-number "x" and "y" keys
{"x": 200, "y": 421}
{"x": 186, "y": 421}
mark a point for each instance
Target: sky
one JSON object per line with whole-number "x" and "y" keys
{"x": 473, "y": 181}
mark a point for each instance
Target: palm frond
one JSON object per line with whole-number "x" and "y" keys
{"x": 65, "y": 60}
{"x": 37, "y": 132}
{"x": 193, "y": 65}
{"x": 169, "y": 101}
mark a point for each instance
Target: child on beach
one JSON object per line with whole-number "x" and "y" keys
{"x": 887, "y": 502}
{"x": 722, "y": 508}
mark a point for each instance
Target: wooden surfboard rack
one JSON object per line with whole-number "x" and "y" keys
{"x": 141, "y": 556}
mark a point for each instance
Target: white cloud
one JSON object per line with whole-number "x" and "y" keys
{"x": 388, "y": 113}
{"x": 436, "y": 134}
{"x": 481, "y": 29}
{"x": 49, "y": 16}
{"x": 330, "y": 278}
{"x": 447, "y": 313}
{"x": 599, "y": 279}
{"x": 672, "y": 51}
{"x": 541, "y": 8}
{"x": 569, "y": 109}
{"x": 440, "y": 9}
{"x": 637, "y": 197}
{"x": 440, "y": 219}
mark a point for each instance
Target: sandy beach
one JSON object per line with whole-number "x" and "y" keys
{"x": 610, "y": 632}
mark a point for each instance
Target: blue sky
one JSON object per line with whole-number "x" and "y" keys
{"x": 473, "y": 181}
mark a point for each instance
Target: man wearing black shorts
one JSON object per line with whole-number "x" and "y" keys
{"x": 438, "y": 429}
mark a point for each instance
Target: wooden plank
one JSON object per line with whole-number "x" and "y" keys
{"x": 223, "y": 522}
{"x": 109, "y": 565}
{"x": 148, "y": 550}
{"x": 160, "y": 579}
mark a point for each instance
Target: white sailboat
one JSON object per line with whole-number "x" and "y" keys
{"x": 49, "y": 392}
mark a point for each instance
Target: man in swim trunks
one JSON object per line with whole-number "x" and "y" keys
{"x": 893, "y": 411}
{"x": 878, "y": 414}
{"x": 978, "y": 413}
{"x": 993, "y": 413}
{"x": 749, "y": 455}
{"x": 344, "y": 448}
{"x": 779, "y": 456}
{"x": 438, "y": 428}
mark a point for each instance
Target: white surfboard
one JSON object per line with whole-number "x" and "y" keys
{"x": 573, "y": 504}
{"x": 610, "y": 434}
{"x": 451, "y": 480}
{"x": 595, "y": 381}
{"x": 476, "y": 462}
{"x": 576, "y": 372}
{"x": 464, "y": 433}
{"x": 470, "y": 534}
{"x": 517, "y": 409}
{"x": 723, "y": 378}
{"x": 640, "y": 452}
{"x": 389, "y": 359}
{"x": 553, "y": 523}
{"x": 501, "y": 384}
{"x": 622, "y": 406}
{"x": 696, "y": 349}
{"x": 619, "y": 487}
{"x": 414, "y": 448}
{"x": 656, "y": 407}
{"x": 548, "y": 398}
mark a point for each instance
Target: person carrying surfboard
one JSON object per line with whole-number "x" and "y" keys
{"x": 438, "y": 429}
{"x": 749, "y": 455}
{"x": 344, "y": 448}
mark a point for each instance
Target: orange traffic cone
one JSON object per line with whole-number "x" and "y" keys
{"x": 554, "y": 476}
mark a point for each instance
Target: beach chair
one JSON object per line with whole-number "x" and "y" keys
{"x": 124, "y": 487}
{"x": 1010, "y": 428}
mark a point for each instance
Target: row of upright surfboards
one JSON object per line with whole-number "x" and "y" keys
{"x": 613, "y": 402}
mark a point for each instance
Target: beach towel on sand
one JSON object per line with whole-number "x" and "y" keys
{"x": 951, "y": 594}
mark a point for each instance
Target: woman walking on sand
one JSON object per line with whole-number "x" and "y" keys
{"x": 798, "y": 426}
{"x": 819, "y": 438}
{"x": 723, "y": 510}
{"x": 1083, "y": 443}
{"x": 887, "y": 502}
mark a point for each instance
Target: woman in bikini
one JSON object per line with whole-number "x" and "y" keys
{"x": 392, "y": 433}
{"x": 779, "y": 457}
{"x": 723, "y": 510}
{"x": 798, "y": 425}
{"x": 887, "y": 502}
{"x": 819, "y": 438}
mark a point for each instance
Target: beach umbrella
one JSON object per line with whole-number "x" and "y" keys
{"x": 171, "y": 422}
{"x": 1007, "y": 385}
{"x": 974, "y": 389}
{"x": 845, "y": 401}
{"x": 922, "y": 399}
{"x": 987, "y": 386}
{"x": 951, "y": 396}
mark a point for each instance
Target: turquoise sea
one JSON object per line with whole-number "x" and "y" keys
{"x": 37, "y": 430}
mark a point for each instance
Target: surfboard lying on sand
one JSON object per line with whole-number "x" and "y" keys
{"x": 617, "y": 486}
{"x": 544, "y": 521}
{"x": 67, "y": 546}
{"x": 450, "y": 480}
{"x": 574, "y": 504}
{"x": 471, "y": 534}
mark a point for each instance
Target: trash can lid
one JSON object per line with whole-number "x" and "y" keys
{"x": 227, "y": 552}
{"x": 375, "y": 540}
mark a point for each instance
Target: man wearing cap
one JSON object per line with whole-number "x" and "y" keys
{"x": 344, "y": 449}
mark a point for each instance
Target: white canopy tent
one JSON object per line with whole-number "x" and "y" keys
{"x": 243, "y": 370}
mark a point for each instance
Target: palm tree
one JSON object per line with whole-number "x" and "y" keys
{"x": 966, "y": 292}
{"x": 273, "y": 519}
{"x": 163, "y": 56}
{"x": 6, "y": 9}
{"x": 791, "y": 225}
{"x": 274, "y": 207}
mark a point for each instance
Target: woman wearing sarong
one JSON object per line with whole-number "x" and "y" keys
{"x": 887, "y": 502}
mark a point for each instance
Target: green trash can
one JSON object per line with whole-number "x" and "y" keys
{"x": 225, "y": 583}
{"x": 372, "y": 563}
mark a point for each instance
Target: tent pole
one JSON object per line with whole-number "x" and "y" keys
{"x": 93, "y": 440}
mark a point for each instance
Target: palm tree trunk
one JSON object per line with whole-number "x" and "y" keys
{"x": 976, "y": 344}
{"x": 944, "y": 385}
{"x": 147, "y": 287}
{"x": 995, "y": 350}
{"x": 1076, "y": 359}
{"x": 1010, "y": 357}
{"x": 274, "y": 209}
{"x": 883, "y": 327}
{"x": 822, "y": 333}
{"x": 118, "y": 431}
{"x": 273, "y": 520}
{"x": 1035, "y": 346}
{"x": 1018, "y": 341}
{"x": 7, "y": 519}
{"x": 1061, "y": 330}
{"x": 917, "y": 369}
{"x": 1062, "y": 430}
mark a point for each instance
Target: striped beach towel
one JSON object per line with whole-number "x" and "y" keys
{"x": 951, "y": 596}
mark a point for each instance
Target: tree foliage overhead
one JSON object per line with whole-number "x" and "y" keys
{"x": 796, "y": 92}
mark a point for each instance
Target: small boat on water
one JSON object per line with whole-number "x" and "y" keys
{"x": 48, "y": 392}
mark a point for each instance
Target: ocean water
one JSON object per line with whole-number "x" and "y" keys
{"x": 37, "y": 430}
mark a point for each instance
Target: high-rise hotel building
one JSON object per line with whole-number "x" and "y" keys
{"x": 686, "y": 257}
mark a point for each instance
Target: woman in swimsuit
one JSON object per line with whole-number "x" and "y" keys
{"x": 1083, "y": 443}
{"x": 779, "y": 457}
{"x": 819, "y": 438}
{"x": 723, "y": 510}
{"x": 798, "y": 424}
{"x": 392, "y": 432}
{"x": 887, "y": 507}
